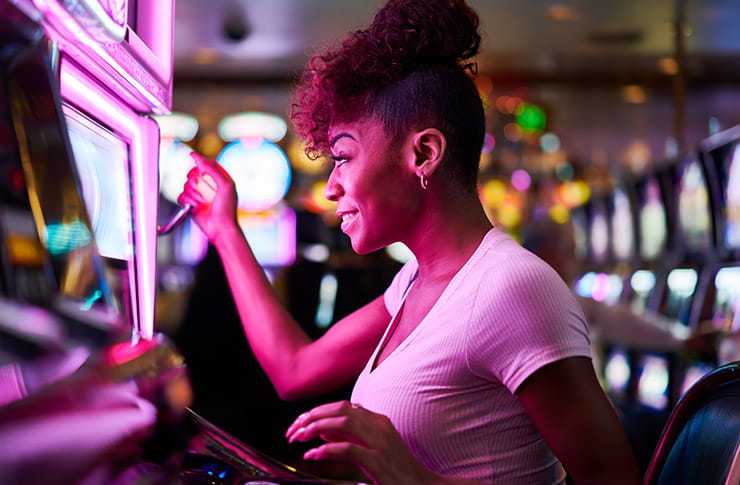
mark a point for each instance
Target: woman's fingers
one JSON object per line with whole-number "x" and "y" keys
{"x": 337, "y": 428}
{"x": 210, "y": 169}
{"x": 325, "y": 410}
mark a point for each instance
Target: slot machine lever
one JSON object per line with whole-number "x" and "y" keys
{"x": 175, "y": 220}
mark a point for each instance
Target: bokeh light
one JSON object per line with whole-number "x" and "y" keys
{"x": 260, "y": 171}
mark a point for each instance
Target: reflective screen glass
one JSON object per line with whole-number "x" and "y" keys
{"x": 732, "y": 201}
{"x": 622, "y": 226}
{"x": 693, "y": 207}
{"x": 653, "y": 222}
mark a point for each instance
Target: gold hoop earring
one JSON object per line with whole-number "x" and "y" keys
{"x": 424, "y": 180}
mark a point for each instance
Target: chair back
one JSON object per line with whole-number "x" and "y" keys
{"x": 700, "y": 443}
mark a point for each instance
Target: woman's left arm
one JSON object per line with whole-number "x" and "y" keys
{"x": 579, "y": 424}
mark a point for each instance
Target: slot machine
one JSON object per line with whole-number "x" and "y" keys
{"x": 673, "y": 288}
{"x": 89, "y": 392}
{"x": 621, "y": 218}
{"x": 611, "y": 241}
{"x": 721, "y": 305}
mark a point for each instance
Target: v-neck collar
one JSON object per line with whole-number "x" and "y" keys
{"x": 465, "y": 268}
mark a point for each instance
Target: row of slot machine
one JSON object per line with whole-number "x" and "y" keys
{"x": 89, "y": 393}
{"x": 667, "y": 244}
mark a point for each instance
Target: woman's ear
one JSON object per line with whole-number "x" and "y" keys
{"x": 429, "y": 149}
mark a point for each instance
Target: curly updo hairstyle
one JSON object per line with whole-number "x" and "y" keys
{"x": 408, "y": 69}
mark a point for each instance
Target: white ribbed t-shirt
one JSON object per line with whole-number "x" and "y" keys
{"x": 448, "y": 388}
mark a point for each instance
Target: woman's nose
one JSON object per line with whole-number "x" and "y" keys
{"x": 333, "y": 188}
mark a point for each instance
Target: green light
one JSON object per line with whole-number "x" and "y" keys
{"x": 531, "y": 118}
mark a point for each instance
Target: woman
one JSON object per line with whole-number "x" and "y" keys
{"x": 474, "y": 366}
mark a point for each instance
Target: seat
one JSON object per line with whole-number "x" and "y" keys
{"x": 700, "y": 443}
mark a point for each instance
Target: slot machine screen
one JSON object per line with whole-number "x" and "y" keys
{"x": 681, "y": 285}
{"x": 598, "y": 232}
{"x": 694, "y": 215}
{"x": 617, "y": 371}
{"x": 653, "y": 221}
{"x": 102, "y": 161}
{"x": 642, "y": 283}
{"x": 726, "y": 307}
{"x": 732, "y": 201}
{"x": 653, "y": 381}
{"x": 622, "y": 230}
{"x": 580, "y": 234}
{"x": 721, "y": 153}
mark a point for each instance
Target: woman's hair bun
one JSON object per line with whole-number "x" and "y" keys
{"x": 426, "y": 31}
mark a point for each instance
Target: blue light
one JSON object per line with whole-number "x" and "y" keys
{"x": 64, "y": 237}
{"x": 260, "y": 170}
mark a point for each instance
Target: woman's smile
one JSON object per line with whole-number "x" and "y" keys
{"x": 347, "y": 217}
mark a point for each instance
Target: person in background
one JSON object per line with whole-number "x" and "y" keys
{"x": 474, "y": 365}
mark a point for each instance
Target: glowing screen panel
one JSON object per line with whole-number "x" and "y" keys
{"x": 693, "y": 207}
{"x": 653, "y": 222}
{"x": 617, "y": 372}
{"x": 732, "y": 201}
{"x": 642, "y": 283}
{"x": 681, "y": 287}
{"x": 726, "y": 309}
{"x": 599, "y": 234}
{"x": 652, "y": 387}
{"x": 580, "y": 237}
{"x": 623, "y": 233}
{"x": 102, "y": 160}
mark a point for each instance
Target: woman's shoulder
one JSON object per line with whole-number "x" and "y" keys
{"x": 502, "y": 253}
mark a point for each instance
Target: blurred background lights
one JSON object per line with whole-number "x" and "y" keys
{"x": 550, "y": 143}
{"x": 634, "y": 94}
{"x": 489, "y": 142}
{"x": 509, "y": 215}
{"x": 642, "y": 281}
{"x": 177, "y": 126}
{"x": 493, "y": 193}
{"x": 600, "y": 290}
{"x": 561, "y": 12}
{"x": 316, "y": 202}
{"x": 174, "y": 164}
{"x": 682, "y": 281}
{"x": 559, "y": 213}
{"x": 668, "y": 65}
{"x": 260, "y": 171}
{"x": 617, "y": 371}
{"x": 296, "y": 151}
{"x": 564, "y": 171}
{"x": 585, "y": 284}
{"x": 530, "y": 118}
{"x": 512, "y": 132}
{"x": 252, "y": 125}
{"x": 521, "y": 180}
{"x": 317, "y": 253}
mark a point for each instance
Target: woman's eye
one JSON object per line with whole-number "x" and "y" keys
{"x": 339, "y": 160}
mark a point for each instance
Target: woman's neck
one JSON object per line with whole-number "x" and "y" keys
{"x": 447, "y": 236}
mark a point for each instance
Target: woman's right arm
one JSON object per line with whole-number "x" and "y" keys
{"x": 297, "y": 366}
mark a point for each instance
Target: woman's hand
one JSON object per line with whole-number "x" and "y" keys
{"x": 211, "y": 192}
{"x": 362, "y": 437}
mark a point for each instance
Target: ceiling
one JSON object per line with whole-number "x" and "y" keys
{"x": 578, "y": 58}
{"x": 524, "y": 40}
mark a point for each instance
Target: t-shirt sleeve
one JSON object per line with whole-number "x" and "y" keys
{"x": 525, "y": 318}
{"x": 394, "y": 293}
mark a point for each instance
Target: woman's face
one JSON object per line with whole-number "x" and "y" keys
{"x": 374, "y": 185}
